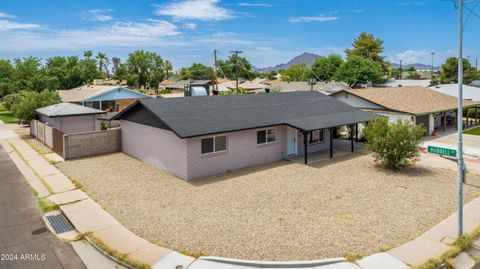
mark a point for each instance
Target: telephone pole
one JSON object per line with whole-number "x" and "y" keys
{"x": 215, "y": 86}
{"x": 401, "y": 70}
{"x": 236, "y": 52}
{"x": 432, "y": 53}
{"x": 461, "y": 164}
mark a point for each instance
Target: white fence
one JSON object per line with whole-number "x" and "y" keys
{"x": 42, "y": 132}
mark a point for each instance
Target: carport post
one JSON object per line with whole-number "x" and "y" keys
{"x": 444, "y": 121}
{"x": 351, "y": 136}
{"x": 356, "y": 132}
{"x": 305, "y": 153}
{"x": 331, "y": 142}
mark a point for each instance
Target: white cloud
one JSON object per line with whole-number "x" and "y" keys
{"x": 98, "y": 15}
{"x": 6, "y": 25}
{"x": 190, "y": 26}
{"x": 244, "y": 4}
{"x": 205, "y": 10}
{"x": 6, "y": 15}
{"x": 116, "y": 35}
{"x": 321, "y": 18}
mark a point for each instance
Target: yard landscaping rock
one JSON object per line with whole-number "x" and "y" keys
{"x": 280, "y": 211}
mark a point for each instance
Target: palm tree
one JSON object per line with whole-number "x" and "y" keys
{"x": 88, "y": 54}
{"x": 168, "y": 69}
{"x": 101, "y": 58}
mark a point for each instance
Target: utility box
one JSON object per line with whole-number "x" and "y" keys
{"x": 195, "y": 89}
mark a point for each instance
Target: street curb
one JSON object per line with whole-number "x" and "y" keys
{"x": 273, "y": 264}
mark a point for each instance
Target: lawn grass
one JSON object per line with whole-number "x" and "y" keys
{"x": 475, "y": 131}
{"x": 8, "y": 117}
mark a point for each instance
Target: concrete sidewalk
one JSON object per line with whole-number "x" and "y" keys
{"x": 90, "y": 218}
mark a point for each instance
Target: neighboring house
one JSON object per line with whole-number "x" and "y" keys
{"x": 408, "y": 83}
{"x": 469, "y": 92}
{"x": 247, "y": 85}
{"x": 325, "y": 87}
{"x": 475, "y": 83}
{"x": 180, "y": 84}
{"x": 103, "y": 97}
{"x": 415, "y": 104}
{"x": 70, "y": 118}
{"x": 193, "y": 137}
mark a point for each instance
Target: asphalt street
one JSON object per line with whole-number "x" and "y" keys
{"x": 25, "y": 242}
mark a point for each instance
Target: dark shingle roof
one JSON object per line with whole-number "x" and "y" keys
{"x": 202, "y": 115}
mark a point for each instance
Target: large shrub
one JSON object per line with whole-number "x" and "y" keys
{"x": 395, "y": 145}
{"x": 30, "y": 101}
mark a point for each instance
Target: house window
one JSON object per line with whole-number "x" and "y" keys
{"x": 266, "y": 136}
{"x": 315, "y": 136}
{"x": 214, "y": 144}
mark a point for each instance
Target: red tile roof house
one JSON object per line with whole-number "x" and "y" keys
{"x": 193, "y": 137}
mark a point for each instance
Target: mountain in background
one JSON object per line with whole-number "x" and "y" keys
{"x": 306, "y": 58}
{"x": 418, "y": 66}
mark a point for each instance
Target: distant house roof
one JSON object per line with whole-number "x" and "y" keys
{"x": 67, "y": 109}
{"x": 475, "y": 83}
{"x": 413, "y": 100}
{"x": 469, "y": 92}
{"x": 246, "y": 85}
{"x": 408, "y": 82}
{"x": 205, "y": 115}
{"x": 327, "y": 87}
{"x": 95, "y": 92}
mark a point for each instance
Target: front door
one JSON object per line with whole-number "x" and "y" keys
{"x": 291, "y": 141}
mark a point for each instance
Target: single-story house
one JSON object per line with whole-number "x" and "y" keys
{"x": 469, "y": 92}
{"x": 104, "y": 97}
{"x": 418, "y": 105}
{"x": 325, "y": 87}
{"x": 70, "y": 118}
{"x": 193, "y": 137}
{"x": 408, "y": 83}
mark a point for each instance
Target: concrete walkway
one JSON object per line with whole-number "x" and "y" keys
{"x": 89, "y": 217}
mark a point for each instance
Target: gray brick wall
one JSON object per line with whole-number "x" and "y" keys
{"x": 86, "y": 144}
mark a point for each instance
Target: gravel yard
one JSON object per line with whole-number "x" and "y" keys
{"x": 280, "y": 211}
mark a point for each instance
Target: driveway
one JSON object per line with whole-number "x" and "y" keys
{"x": 471, "y": 143}
{"x": 25, "y": 242}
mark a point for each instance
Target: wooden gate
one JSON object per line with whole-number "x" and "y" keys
{"x": 58, "y": 142}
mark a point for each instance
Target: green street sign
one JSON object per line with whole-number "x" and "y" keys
{"x": 442, "y": 151}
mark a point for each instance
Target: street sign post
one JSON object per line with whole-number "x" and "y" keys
{"x": 442, "y": 151}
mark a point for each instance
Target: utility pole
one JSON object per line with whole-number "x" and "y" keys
{"x": 461, "y": 164}
{"x": 236, "y": 66}
{"x": 432, "y": 53}
{"x": 401, "y": 70}
{"x": 215, "y": 86}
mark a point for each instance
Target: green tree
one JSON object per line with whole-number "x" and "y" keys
{"x": 200, "y": 71}
{"x": 148, "y": 68}
{"x": 101, "y": 57}
{"x": 356, "y": 70}
{"x": 228, "y": 67}
{"x": 184, "y": 74}
{"x": 88, "y": 54}
{"x": 7, "y": 73}
{"x": 414, "y": 75}
{"x": 271, "y": 74}
{"x": 30, "y": 101}
{"x": 449, "y": 73}
{"x": 369, "y": 47}
{"x": 168, "y": 69}
{"x": 326, "y": 67}
{"x": 394, "y": 145}
{"x": 296, "y": 72}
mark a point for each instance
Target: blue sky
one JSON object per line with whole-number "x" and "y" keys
{"x": 269, "y": 32}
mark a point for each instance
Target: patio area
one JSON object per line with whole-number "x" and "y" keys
{"x": 280, "y": 211}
